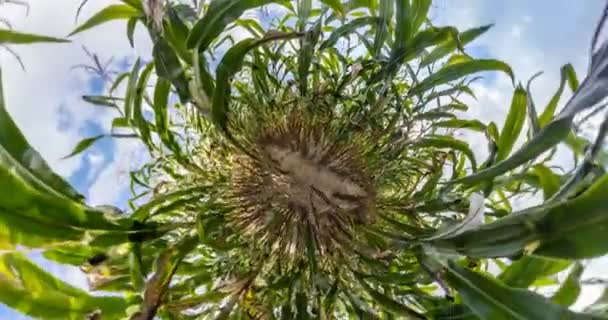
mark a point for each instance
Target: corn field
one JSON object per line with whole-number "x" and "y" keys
{"x": 313, "y": 170}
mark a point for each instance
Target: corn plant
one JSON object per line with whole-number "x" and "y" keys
{"x": 313, "y": 170}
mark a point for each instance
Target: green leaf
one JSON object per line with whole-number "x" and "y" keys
{"x": 347, "y": 29}
{"x": 168, "y": 66}
{"x": 403, "y": 26}
{"x": 219, "y": 14}
{"x": 573, "y": 229}
{"x": 15, "y": 152}
{"x": 138, "y": 116}
{"x": 335, "y": 5}
{"x": 231, "y": 63}
{"x": 390, "y": 304}
{"x": 103, "y": 101}
{"x": 568, "y": 292}
{"x": 351, "y": 5}
{"x": 137, "y": 4}
{"x": 549, "y": 110}
{"x": 161, "y": 121}
{"x": 75, "y": 254}
{"x": 474, "y": 125}
{"x": 29, "y": 289}
{"x": 107, "y": 14}
{"x": 549, "y": 181}
{"x": 523, "y": 272}
{"x": 177, "y": 32}
{"x": 131, "y": 24}
{"x": 120, "y": 122}
{"x": 420, "y": 10}
{"x": 55, "y": 305}
{"x": 577, "y": 227}
{"x": 136, "y": 274}
{"x": 119, "y": 79}
{"x": 449, "y": 143}
{"x": 450, "y": 45}
{"x": 306, "y": 54}
{"x": 157, "y": 285}
{"x": 386, "y": 12}
{"x": 130, "y": 91}
{"x": 33, "y": 278}
{"x": 514, "y": 123}
{"x": 197, "y": 301}
{"x": 490, "y": 299}
{"x": 57, "y": 211}
{"x": 160, "y": 202}
{"x": 14, "y": 37}
{"x": 16, "y": 229}
{"x": 304, "y": 13}
{"x": 548, "y": 137}
{"x": 83, "y": 145}
{"x": 460, "y": 70}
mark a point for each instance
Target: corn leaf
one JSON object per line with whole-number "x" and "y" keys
{"x": 107, "y": 14}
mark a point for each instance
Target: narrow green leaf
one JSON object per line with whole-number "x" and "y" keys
{"x": 230, "y": 64}
{"x": 549, "y": 181}
{"x": 58, "y": 306}
{"x": 548, "y": 137}
{"x": 83, "y": 145}
{"x": 130, "y": 91}
{"x": 549, "y": 110}
{"x": 474, "y": 125}
{"x": 168, "y": 66}
{"x": 420, "y": 10}
{"x": 458, "y": 71}
{"x": 573, "y": 229}
{"x": 450, "y": 143}
{"x": 177, "y": 33}
{"x": 490, "y": 299}
{"x": 514, "y": 123}
{"x": 335, "y": 5}
{"x": 390, "y": 304}
{"x": 219, "y": 14}
{"x": 14, "y": 37}
{"x": 523, "y": 272}
{"x": 136, "y": 273}
{"x": 137, "y": 4}
{"x": 403, "y": 26}
{"x": 161, "y": 121}
{"x": 103, "y": 101}
{"x": 451, "y": 44}
{"x": 157, "y": 285}
{"x": 138, "y": 116}
{"x": 347, "y": 29}
{"x": 75, "y": 254}
{"x": 568, "y": 292}
{"x": 119, "y": 79}
{"x": 33, "y": 278}
{"x": 306, "y": 55}
{"x": 131, "y": 24}
{"x": 120, "y": 122}
{"x": 386, "y": 12}
{"x": 107, "y": 14}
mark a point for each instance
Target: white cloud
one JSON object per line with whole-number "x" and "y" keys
{"x": 114, "y": 179}
{"x": 35, "y": 97}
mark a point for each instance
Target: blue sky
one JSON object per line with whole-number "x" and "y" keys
{"x": 45, "y": 100}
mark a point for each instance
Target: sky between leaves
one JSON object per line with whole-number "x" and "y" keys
{"x": 45, "y": 102}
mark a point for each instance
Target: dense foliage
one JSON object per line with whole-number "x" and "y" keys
{"x": 312, "y": 171}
